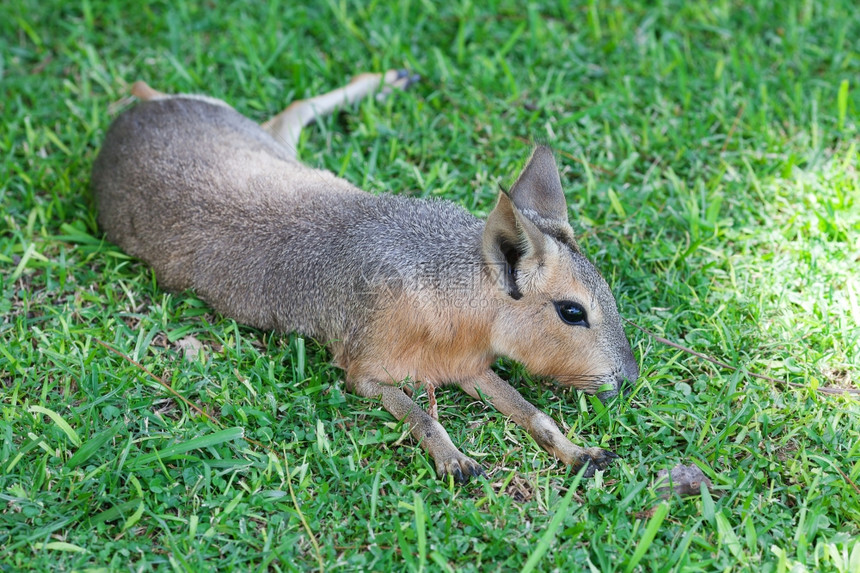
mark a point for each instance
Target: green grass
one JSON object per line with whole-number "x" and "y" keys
{"x": 710, "y": 150}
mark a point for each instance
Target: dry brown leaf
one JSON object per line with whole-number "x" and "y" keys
{"x": 192, "y": 349}
{"x": 684, "y": 480}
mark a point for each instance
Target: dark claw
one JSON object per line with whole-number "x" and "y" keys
{"x": 410, "y": 77}
{"x": 589, "y": 470}
{"x": 458, "y": 476}
{"x": 607, "y": 457}
{"x": 478, "y": 471}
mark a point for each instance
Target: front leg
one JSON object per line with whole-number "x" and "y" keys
{"x": 429, "y": 433}
{"x": 509, "y": 402}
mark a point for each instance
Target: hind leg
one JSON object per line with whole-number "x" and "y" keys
{"x": 287, "y": 125}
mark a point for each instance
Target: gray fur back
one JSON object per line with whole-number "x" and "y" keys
{"x": 213, "y": 203}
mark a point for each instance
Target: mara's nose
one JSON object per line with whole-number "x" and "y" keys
{"x": 626, "y": 380}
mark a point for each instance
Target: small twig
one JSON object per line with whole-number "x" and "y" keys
{"x": 304, "y": 521}
{"x": 848, "y": 479}
{"x": 166, "y": 386}
{"x": 732, "y": 128}
{"x": 218, "y": 423}
{"x": 667, "y": 342}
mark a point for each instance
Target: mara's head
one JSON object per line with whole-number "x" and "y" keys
{"x": 557, "y": 315}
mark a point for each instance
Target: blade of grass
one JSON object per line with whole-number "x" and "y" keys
{"x": 59, "y": 421}
{"x": 115, "y": 512}
{"x": 420, "y": 530}
{"x": 842, "y": 103}
{"x": 92, "y": 445}
{"x": 199, "y": 443}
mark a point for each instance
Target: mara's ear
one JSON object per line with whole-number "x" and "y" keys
{"x": 539, "y": 196}
{"x": 508, "y": 238}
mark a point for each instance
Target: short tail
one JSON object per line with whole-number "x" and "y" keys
{"x": 142, "y": 91}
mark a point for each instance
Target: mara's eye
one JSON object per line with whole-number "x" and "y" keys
{"x": 572, "y": 313}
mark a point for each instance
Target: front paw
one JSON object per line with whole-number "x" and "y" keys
{"x": 396, "y": 80}
{"x": 459, "y": 466}
{"x": 548, "y": 436}
{"x": 594, "y": 459}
